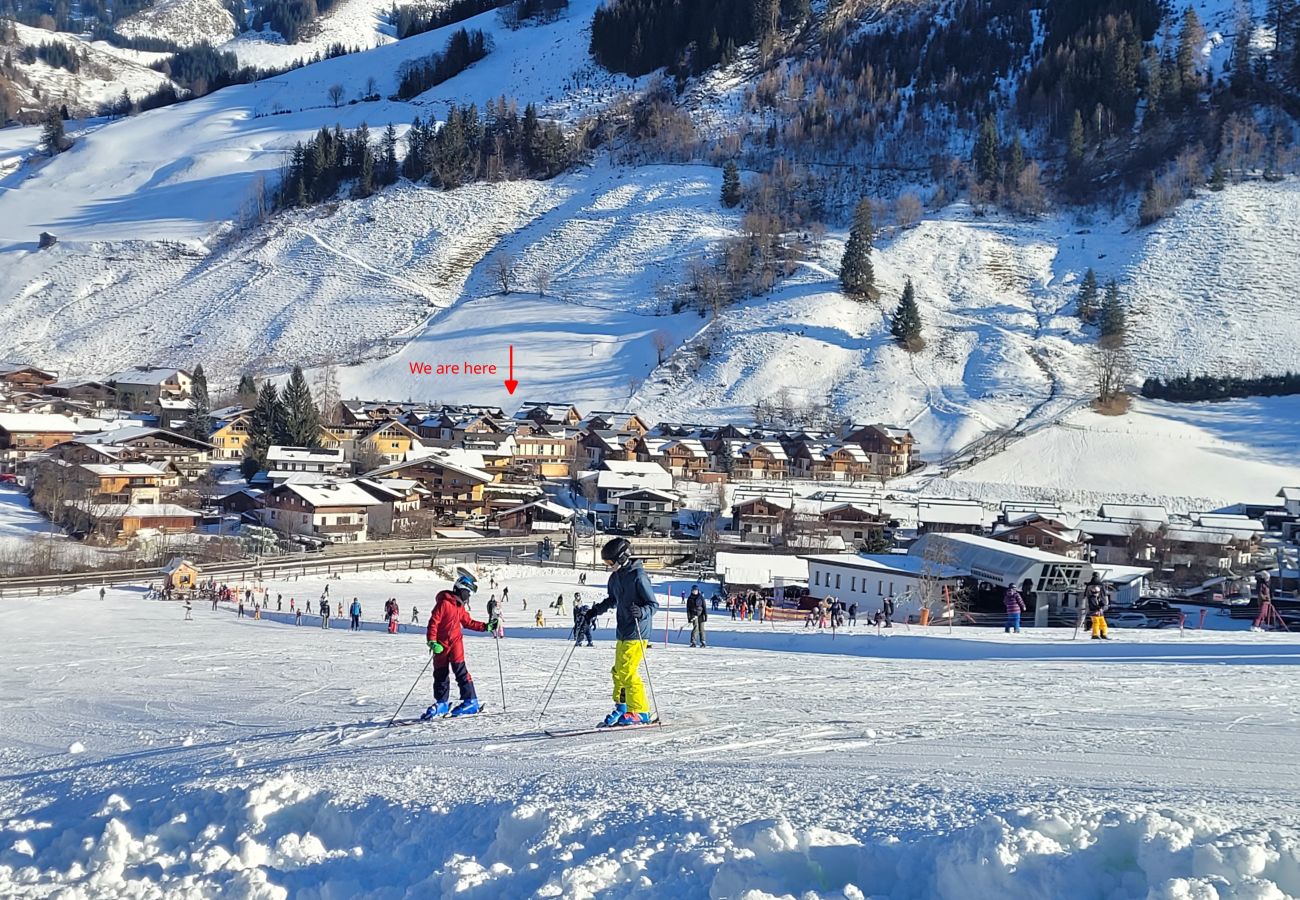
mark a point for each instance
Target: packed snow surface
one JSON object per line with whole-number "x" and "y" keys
{"x": 250, "y": 758}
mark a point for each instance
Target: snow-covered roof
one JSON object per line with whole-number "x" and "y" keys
{"x": 1120, "y": 574}
{"x": 135, "y": 510}
{"x": 760, "y": 568}
{"x": 1242, "y": 528}
{"x": 643, "y": 493}
{"x": 1289, "y": 493}
{"x": 634, "y": 467}
{"x": 1106, "y": 528}
{"x": 996, "y": 562}
{"x": 955, "y": 513}
{"x": 776, "y": 500}
{"x": 339, "y": 493}
{"x": 15, "y": 423}
{"x": 623, "y": 476}
{"x": 889, "y": 563}
{"x": 279, "y": 453}
{"x": 150, "y": 376}
{"x": 1133, "y": 512}
{"x": 126, "y": 468}
{"x": 555, "y": 509}
{"x": 1195, "y": 535}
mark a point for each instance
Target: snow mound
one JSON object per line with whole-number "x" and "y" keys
{"x": 77, "y": 747}
{"x": 281, "y": 838}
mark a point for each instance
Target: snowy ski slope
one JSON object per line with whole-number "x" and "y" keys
{"x": 148, "y": 756}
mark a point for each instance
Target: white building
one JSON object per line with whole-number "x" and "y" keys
{"x": 868, "y": 579}
{"x": 285, "y": 461}
{"x": 338, "y": 511}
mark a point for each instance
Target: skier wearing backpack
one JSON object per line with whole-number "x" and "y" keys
{"x": 447, "y": 644}
{"x": 1098, "y": 603}
{"x": 696, "y": 614}
{"x": 633, "y": 601}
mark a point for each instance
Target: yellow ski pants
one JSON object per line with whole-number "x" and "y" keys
{"x": 627, "y": 679}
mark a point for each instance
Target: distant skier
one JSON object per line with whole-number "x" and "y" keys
{"x": 279, "y": 602}
{"x": 447, "y": 644}
{"x": 633, "y": 601}
{"x": 1094, "y": 593}
{"x": 1264, "y": 592}
{"x": 188, "y": 610}
{"x": 395, "y": 618}
{"x": 697, "y": 614}
{"x": 324, "y": 613}
{"x": 582, "y": 625}
{"x": 355, "y": 612}
{"x": 101, "y": 593}
{"x": 888, "y": 609}
{"x": 1014, "y": 605}
{"x": 853, "y": 613}
{"x": 415, "y": 614}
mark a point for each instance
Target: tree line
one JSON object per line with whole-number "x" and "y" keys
{"x": 467, "y": 148}
{"x": 639, "y": 36}
{"x": 1191, "y": 388}
{"x": 464, "y": 48}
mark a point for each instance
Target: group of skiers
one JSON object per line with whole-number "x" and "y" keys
{"x": 1096, "y": 600}
{"x": 631, "y": 598}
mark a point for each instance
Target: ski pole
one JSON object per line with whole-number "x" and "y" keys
{"x": 500, "y": 674}
{"x": 408, "y": 693}
{"x": 645, "y": 662}
{"x": 546, "y": 684}
{"x": 567, "y": 657}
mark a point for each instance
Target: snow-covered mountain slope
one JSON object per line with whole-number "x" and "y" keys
{"x": 360, "y": 24}
{"x": 1204, "y": 453}
{"x": 183, "y": 22}
{"x": 103, "y": 74}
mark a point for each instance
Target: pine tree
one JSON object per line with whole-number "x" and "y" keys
{"x": 1191, "y": 37}
{"x": 1113, "y": 326}
{"x": 857, "y": 276}
{"x": 302, "y": 419}
{"x": 1075, "y": 146}
{"x": 986, "y": 151}
{"x": 267, "y": 425}
{"x": 388, "y": 162}
{"x": 906, "y": 323}
{"x": 730, "y": 185}
{"x": 199, "y": 424}
{"x": 1088, "y": 297}
{"x": 247, "y": 390}
{"x": 1240, "y": 77}
{"x": 1218, "y": 178}
{"x": 53, "y": 138}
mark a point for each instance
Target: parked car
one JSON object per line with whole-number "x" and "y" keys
{"x": 1128, "y": 620}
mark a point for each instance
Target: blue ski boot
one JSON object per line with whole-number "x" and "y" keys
{"x": 631, "y": 718}
{"x": 466, "y": 707}
{"x": 433, "y": 712}
{"x": 616, "y": 716}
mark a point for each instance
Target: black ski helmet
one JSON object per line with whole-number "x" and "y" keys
{"x": 616, "y": 551}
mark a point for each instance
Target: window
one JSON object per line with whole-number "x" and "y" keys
{"x": 817, "y": 577}
{"x": 1031, "y": 540}
{"x": 853, "y": 583}
{"x": 880, "y": 589}
{"x": 837, "y": 581}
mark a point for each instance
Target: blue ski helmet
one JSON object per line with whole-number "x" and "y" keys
{"x": 465, "y": 584}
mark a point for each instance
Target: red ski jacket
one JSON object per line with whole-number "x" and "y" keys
{"x": 445, "y": 624}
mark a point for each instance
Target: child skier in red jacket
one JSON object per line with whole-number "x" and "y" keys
{"x": 447, "y": 644}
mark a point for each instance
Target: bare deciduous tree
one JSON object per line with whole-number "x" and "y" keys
{"x": 502, "y": 267}
{"x": 662, "y": 340}
{"x": 336, "y": 94}
{"x": 1110, "y": 365}
{"x": 542, "y": 280}
{"x": 907, "y": 209}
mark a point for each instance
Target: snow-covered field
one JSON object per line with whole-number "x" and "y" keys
{"x": 144, "y": 755}
{"x": 1231, "y": 452}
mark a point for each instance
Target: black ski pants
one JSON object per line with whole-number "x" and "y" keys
{"x": 442, "y": 670}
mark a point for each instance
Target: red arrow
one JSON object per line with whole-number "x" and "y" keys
{"x": 511, "y": 384}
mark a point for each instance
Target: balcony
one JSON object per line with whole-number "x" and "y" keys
{"x": 340, "y": 529}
